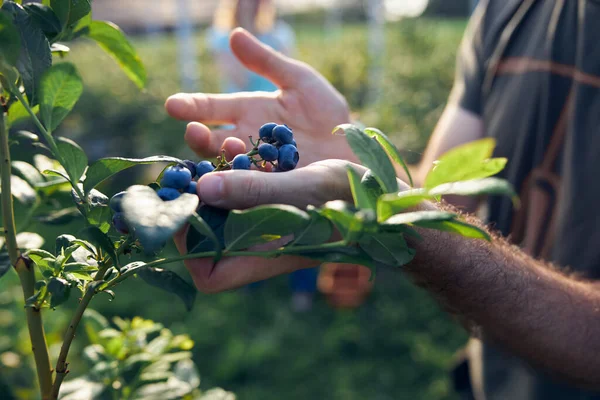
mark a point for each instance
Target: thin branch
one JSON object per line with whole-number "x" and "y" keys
{"x": 22, "y": 266}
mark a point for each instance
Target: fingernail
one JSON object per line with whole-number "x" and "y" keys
{"x": 211, "y": 188}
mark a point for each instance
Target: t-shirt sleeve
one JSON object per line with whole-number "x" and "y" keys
{"x": 470, "y": 64}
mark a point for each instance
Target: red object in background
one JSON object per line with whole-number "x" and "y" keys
{"x": 345, "y": 285}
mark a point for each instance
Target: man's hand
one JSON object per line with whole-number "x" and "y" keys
{"x": 306, "y": 102}
{"x": 314, "y": 184}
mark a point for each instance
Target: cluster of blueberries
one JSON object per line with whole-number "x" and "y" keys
{"x": 278, "y": 147}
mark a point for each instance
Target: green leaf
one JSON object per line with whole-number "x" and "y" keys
{"x": 261, "y": 224}
{"x": 215, "y": 219}
{"x": 28, "y": 172}
{"x": 10, "y": 40}
{"x": 95, "y": 235}
{"x": 45, "y": 19}
{"x": 24, "y": 135}
{"x": 110, "y": 38}
{"x": 371, "y": 186}
{"x": 318, "y": 230}
{"x": 469, "y": 161}
{"x": 419, "y": 216}
{"x": 391, "y": 204}
{"x": 17, "y": 113}
{"x": 170, "y": 282}
{"x": 387, "y": 248}
{"x": 351, "y": 223}
{"x": 60, "y": 88}
{"x": 153, "y": 220}
{"x": 59, "y": 217}
{"x": 205, "y": 230}
{"x": 390, "y": 149}
{"x": 29, "y": 240}
{"x": 359, "y": 193}
{"x": 475, "y": 187}
{"x": 107, "y": 167}
{"x": 100, "y": 217}
{"x": 22, "y": 191}
{"x": 35, "y": 56}
{"x": 371, "y": 155}
{"x": 71, "y": 11}
{"x": 75, "y": 160}
{"x": 456, "y": 226}
{"x": 59, "y": 290}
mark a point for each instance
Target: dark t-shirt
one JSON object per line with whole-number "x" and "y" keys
{"x": 518, "y": 63}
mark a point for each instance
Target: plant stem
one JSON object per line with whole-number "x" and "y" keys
{"x": 62, "y": 364}
{"x": 47, "y": 136}
{"x": 207, "y": 254}
{"x": 24, "y": 270}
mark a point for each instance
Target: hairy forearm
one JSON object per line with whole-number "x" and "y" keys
{"x": 550, "y": 320}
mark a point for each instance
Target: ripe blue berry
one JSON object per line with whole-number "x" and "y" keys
{"x": 115, "y": 202}
{"x": 241, "y": 161}
{"x": 119, "y": 223}
{"x": 168, "y": 194}
{"x": 266, "y": 131}
{"x": 294, "y": 143}
{"x": 176, "y": 177}
{"x": 191, "y": 166}
{"x": 268, "y": 152}
{"x": 283, "y": 134}
{"x": 191, "y": 189}
{"x": 288, "y": 157}
{"x": 204, "y": 167}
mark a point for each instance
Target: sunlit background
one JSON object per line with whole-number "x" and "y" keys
{"x": 397, "y": 344}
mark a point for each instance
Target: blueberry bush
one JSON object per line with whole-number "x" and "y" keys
{"x": 125, "y": 234}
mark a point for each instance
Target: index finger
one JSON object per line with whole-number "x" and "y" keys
{"x": 216, "y": 108}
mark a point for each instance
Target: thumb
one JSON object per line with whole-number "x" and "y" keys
{"x": 242, "y": 189}
{"x": 284, "y": 71}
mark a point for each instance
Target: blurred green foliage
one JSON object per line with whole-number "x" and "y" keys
{"x": 399, "y": 345}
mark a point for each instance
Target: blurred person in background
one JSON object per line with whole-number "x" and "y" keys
{"x": 260, "y": 18}
{"x": 528, "y": 75}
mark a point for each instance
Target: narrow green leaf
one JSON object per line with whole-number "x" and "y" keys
{"x": 74, "y": 158}
{"x": 45, "y": 19}
{"x": 371, "y": 155}
{"x": 71, "y": 11}
{"x": 351, "y": 223}
{"x": 59, "y": 217}
{"x": 59, "y": 290}
{"x": 371, "y": 186}
{"x": 391, "y": 204}
{"x": 60, "y": 88}
{"x": 110, "y": 38}
{"x": 153, "y": 220}
{"x": 247, "y": 228}
{"x": 456, "y": 226}
{"x": 17, "y": 113}
{"x": 387, "y": 248}
{"x": 10, "y": 40}
{"x": 469, "y": 161}
{"x": 24, "y": 135}
{"x": 390, "y": 149}
{"x": 215, "y": 219}
{"x": 35, "y": 56}
{"x": 28, "y": 172}
{"x": 205, "y": 230}
{"x": 170, "y": 282}
{"x": 475, "y": 187}
{"x": 359, "y": 193}
{"x": 419, "y": 216}
{"x": 107, "y": 167}
{"x": 319, "y": 230}
{"x": 100, "y": 217}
